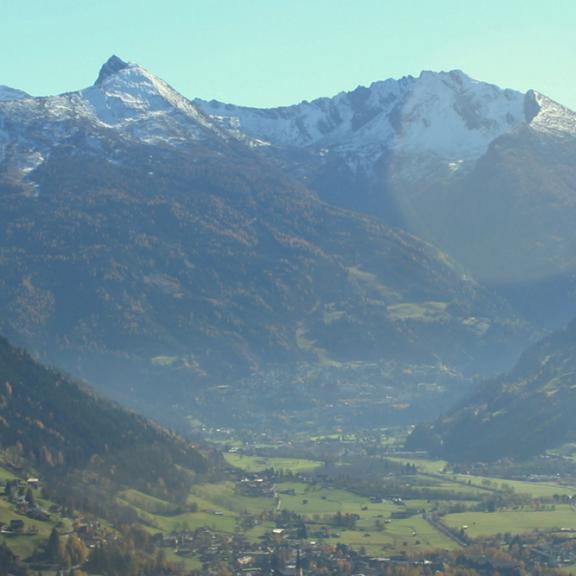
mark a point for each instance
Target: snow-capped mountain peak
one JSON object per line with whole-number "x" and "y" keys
{"x": 447, "y": 114}
{"x": 126, "y": 102}
{"x": 128, "y": 96}
{"x": 455, "y": 117}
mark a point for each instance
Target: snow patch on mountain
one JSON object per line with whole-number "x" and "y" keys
{"x": 447, "y": 114}
{"x": 552, "y": 118}
{"x": 444, "y": 117}
{"x": 126, "y": 101}
{"x": 127, "y": 97}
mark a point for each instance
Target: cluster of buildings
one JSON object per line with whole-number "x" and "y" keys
{"x": 21, "y": 494}
{"x": 260, "y": 484}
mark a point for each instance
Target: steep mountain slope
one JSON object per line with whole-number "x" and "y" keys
{"x": 144, "y": 247}
{"x": 519, "y": 414}
{"x": 7, "y": 93}
{"x": 486, "y": 174}
{"x": 56, "y": 425}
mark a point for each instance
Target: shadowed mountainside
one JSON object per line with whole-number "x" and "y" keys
{"x": 519, "y": 414}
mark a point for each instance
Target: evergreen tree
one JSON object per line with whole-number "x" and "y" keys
{"x": 54, "y": 547}
{"x": 30, "y": 497}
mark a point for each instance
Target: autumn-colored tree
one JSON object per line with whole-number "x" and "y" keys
{"x": 76, "y": 551}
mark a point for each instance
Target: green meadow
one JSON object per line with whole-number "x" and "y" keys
{"x": 259, "y": 463}
{"x": 513, "y": 521}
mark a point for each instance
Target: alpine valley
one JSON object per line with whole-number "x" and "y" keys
{"x": 334, "y": 338}
{"x": 353, "y": 259}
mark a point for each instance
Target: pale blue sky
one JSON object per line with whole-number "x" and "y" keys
{"x": 273, "y": 52}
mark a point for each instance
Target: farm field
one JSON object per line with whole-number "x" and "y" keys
{"x": 23, "y": 545}
{"x": 223, "y": 494}
{"x": 533, "y": 489}
{"x": 513, "y": 521}
{"x": 310, "y": 500}
{"x": 220, "y": 508}
{"x": 379, "y": 526}
{"x": 376, "y": 530}
{"x": 410, "y": 535}
{"x": 259, "y": 463}
{"x": 292, "y": 504}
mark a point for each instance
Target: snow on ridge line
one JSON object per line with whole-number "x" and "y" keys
{"x": 126, "y": 98}
{"x": 552, "y": 117}
{"x": 140, "y": 91}
{"x": 446, "y": 113}
{"x": 128, "y": 102}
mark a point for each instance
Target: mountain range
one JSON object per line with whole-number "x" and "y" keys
{"x": 183, "y": 255}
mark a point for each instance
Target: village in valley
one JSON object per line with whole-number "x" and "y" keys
{"x": 337, "y": 504}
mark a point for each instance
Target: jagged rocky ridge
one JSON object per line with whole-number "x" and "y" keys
{"x": 448, "y": 115}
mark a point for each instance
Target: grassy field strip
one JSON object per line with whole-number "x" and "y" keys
{"x": 189, "y": 563}
{"x": 6, "y": 475}
{"x": 534, "y": 489}
{"x": 259, "y": 463}
{"x": 413, "y": 534}
{"x": 513, "y": 521}
{"x": 209, "y": 515}
{"x": 146, "y": 502}
{"x": 428, "y": 466}
{"x": 223, "y": 494}
{"x": 442, "y": 484}
{"x": 184, "y": 521}
{"x": 435, "y": 468}
{"x": 315, "y": 501}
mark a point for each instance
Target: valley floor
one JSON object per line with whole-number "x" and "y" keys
{"x": 356, "y": 498}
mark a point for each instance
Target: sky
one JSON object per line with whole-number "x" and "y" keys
{"x": 279, "y": 52}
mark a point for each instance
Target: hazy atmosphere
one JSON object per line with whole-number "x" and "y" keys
{"x": 287, "y": 288}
